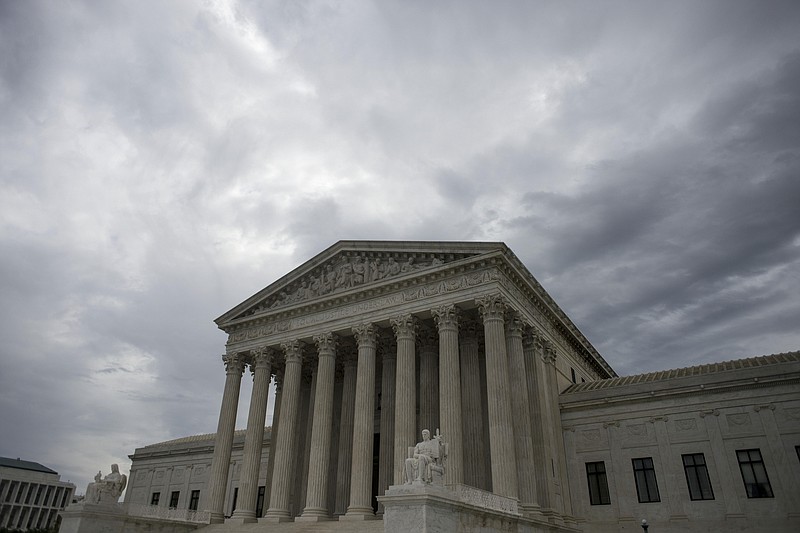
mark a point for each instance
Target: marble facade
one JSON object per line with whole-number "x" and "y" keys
{"x": 371, "y": 342}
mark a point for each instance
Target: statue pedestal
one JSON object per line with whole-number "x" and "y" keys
{"x": 428, "y": 508}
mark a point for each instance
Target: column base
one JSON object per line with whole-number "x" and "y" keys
{"x": 216, "y": 518}
{"x": 358, "y": 514}
{"x": 241, "y": 520}
{"x": 276, "y": 516}
{"x": 313, "y": 518}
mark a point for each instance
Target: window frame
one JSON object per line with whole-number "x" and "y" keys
{"x": 174, "y": 498}
{"x": 644, "y": 475}
{"x": 699, "y": 473}
{"x": 755, "y": 467}
{"x": 155, "y": 498}
{"x": 194, "y": 500}
{"x": 600, "y": 485}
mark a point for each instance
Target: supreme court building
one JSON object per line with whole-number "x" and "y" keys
{"x": 370, "y": 342}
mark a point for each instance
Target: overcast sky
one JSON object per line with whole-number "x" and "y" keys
{"x": 162, "y": 161}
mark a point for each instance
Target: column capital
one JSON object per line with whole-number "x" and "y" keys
{"x": 261, "y": 357}
{"x": 293, "y": 350}
{"x": 446, "y": 316}
{"x": 492, "y": 306}
{"x": 365, "y": 335}
{"x": 470, "y": 328}
{"x": 514, "y": 324}
{"x": 405, "y": 326}
{"x": 326, "y": 344}
{"x": 550, "y": 354}
{"x": 385, "y": 343}
{"x": 234, "y": 363}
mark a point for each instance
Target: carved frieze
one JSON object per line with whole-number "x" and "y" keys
{"x": 347, "y": 271}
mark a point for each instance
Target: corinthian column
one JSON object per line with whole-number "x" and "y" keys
{"x": 532, "y": 346}
{"x": 316, "y": 506}
{"x": 446, "y": 318}
{"x": 428, "y": 381}
{"x": 405, "y": 411}
{"x": 504, "y": 463}
{"x": 361, "y": 477}
{"x": 279, "y": 494}
{"x": 520, "y": 411}
{"x": 261, "y": 365}
{"x": 388, "y": 369}
{"x": 218, "y": 480}
{"x": 474, "y": 445}
{"x": 346, "y": 435}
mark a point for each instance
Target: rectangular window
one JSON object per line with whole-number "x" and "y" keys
{"x": 694, "y": 466}
{"x": 47, "y": 496}
{"x": 154, "y": 498}
{"x": 645, "y": 476}
{"x": 235, "y": 497}
{"x": 598, "y": 484}
{"x": 572, "y": 371}
{"x": 173, "y": 499}
{"x": 194, "y": 500}
{"x": 754, "y": 474}
{"x": 260, "y": 501}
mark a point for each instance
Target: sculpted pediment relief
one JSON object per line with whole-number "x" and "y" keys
{"x": 348, "y": 270}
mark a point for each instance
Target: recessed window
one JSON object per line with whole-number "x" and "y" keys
{"x": 194, "y": 500}
{"x": 645, "y": 476}
{"x": 235, "y": 497}
{"x": 154, "y": 498}
{"x": 574, "y": 379}
{"x": 754, "y": 474}
{"x": 694, "y": 466}
{"x": 173, "y": 499}
{"x": 260, "y": 501}
{"x": 598, "y": 483}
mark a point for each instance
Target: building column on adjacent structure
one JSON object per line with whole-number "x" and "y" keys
{"x": 218, "y": 479}
{"x": 503, "y": 458}
{"x": 279, "y": 494}
{"x": 405, "y": 411}
{"x": 428, "y": 382}
{"x": 446, "y": 318}
{"x": 346, "y": 435}
{"x": 261, "y": 365}
{"x": 360, "y": 507}
{"x": 386, "y": 455}
{"x": 534, "y": 370}
{"x": 474, "y": 446}
{"x": 316, "y": 506}
{"x": 520, "y": 411}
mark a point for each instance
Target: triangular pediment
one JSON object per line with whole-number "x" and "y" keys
{"x": 352, "y": 265}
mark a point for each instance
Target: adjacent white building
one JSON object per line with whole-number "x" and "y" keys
{"x": 31, "y": 495}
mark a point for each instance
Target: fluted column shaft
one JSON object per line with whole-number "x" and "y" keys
{"x": 316, "y": 505}
{"x": 520, "y": 411}
{"x": 361, "y": 471}
{"x": 261, "y": 365}
{"x": 446, "y": 318}
{"x": 346, "y": 436}
{"x": 503, "y": 455}
{"x": 405, "y": 411}
{"x": 474, "y": 453}
{"x": 388, "y": 369}
{"x": 218, "y": 479}
{"x": 276, "y": 419}
{"x": 428, "y": 382}
{"x": 290, "y": 403}
{"x": 532, "y": 348}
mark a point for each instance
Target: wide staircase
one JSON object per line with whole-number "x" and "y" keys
{"x": 333, "y": 526}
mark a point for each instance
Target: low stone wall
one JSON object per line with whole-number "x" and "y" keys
{"x": 88, "y": 518}
{"x": 437, "y": 509}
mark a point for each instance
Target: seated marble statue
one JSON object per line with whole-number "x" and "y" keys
{"x": 107, "y": 489}
{"x": 427, "y": 459}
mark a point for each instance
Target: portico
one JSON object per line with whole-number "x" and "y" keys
{"x": 370, "y": 342}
